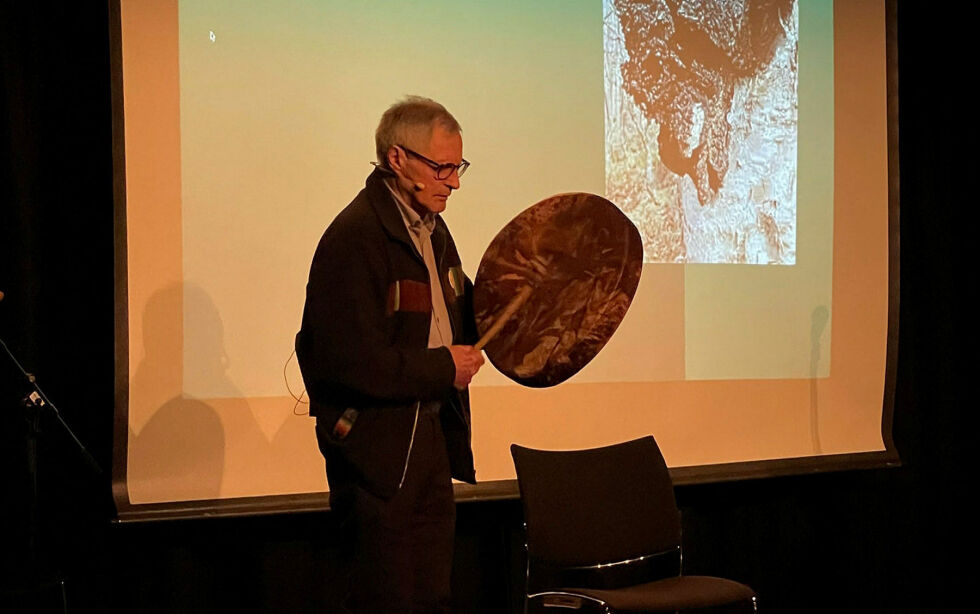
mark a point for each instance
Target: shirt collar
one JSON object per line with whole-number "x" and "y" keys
{"x": 413, "y": 221}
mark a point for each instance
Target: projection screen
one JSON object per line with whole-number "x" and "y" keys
{"x": 752, "y": 144}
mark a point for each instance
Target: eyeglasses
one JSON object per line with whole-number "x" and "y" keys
{"x": 443, "y": 171}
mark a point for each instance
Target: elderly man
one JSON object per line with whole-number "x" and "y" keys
{"x": 384, "y": 354}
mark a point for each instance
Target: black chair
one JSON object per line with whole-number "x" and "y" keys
{"x": 603, "y": 534}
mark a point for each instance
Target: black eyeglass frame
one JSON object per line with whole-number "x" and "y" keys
{"x": 443, "y": 171}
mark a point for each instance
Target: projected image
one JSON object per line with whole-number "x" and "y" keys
{"x": 701, "y": 127}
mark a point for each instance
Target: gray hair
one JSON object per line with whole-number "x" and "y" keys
{"x": 409, "y": 122}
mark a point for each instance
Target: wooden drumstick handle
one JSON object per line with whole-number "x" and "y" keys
{"x": 508, "y": 311}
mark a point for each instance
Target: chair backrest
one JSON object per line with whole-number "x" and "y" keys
{"x": 597, "y": 506}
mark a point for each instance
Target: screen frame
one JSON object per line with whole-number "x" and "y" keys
{"x": 497, "y": 489}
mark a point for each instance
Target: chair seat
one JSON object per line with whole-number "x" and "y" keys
{"x": 671, "y": 594}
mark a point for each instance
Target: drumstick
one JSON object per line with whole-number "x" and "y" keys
{"x": 514, "y": 304}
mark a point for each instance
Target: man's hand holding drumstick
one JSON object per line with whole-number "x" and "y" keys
{"x": 468, "y": 359}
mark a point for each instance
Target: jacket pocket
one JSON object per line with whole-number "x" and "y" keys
{"x": 374, "y": 448}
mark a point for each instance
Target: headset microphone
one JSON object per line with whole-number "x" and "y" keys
{"x": 419, "y": 186}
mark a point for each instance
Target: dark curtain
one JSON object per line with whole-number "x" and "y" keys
{"x": 56, "y": 273}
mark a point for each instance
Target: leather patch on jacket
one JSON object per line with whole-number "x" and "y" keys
{"x": 409, "y": 295}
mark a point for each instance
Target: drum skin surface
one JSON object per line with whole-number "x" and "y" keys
{"x": 582, "y": 258}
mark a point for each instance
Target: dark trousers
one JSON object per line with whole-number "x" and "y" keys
{"x": 398, "y": 552}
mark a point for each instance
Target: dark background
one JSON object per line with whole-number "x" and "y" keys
{"x": 871, "y": 540}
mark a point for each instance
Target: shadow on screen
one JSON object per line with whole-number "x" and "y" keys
{"x": 818, "y": 323}
{"x": 184, "y": 447}
{"x": 176, "y": 443}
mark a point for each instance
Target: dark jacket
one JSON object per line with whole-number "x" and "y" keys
{"x": 364, "y": 337}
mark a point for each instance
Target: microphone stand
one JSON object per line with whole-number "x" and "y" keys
{"x": 35, "y": 403}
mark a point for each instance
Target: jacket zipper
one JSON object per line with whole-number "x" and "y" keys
{"x": 411, "y": 442}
